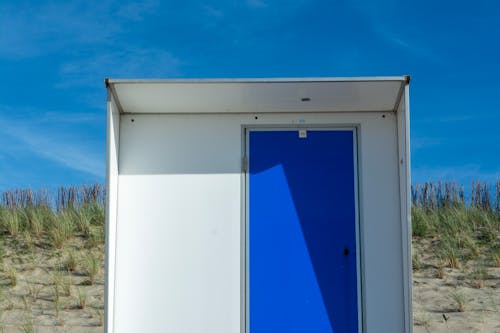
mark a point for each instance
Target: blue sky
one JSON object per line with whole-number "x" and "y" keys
{"x": 54, "y": 56}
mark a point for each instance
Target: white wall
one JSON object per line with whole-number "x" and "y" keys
{"x": 112, "y": 145}
{"x": 403, "y": 118}
{"x": 178, "y": 238}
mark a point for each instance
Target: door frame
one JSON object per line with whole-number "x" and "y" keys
{"x": 245, "y": 241}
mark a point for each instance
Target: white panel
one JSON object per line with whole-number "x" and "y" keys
{"x": 179, "y": 233}
{"x": 178, "y": 237}
{"x": 405, "y": 192}
{"x": 243, "y": 97}
{"x": 190, "y": 144}
{"x": 178, "y": 258}
{"x": 382, "y": 259}
{"x": 112, "y": 146}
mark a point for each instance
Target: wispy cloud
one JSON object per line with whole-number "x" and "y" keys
{"x": 256, "y": 4}
{"x": 60, "y": 146}
{"x": 40, "y": 28}
{"x": 129, "y": 62}
{"x": 71, "y": 155}
{"x": 212, "y": 11}
{"x": 136, "y": 11}
{"x": 424, "y": 142}
{"x": 393, "y": 32}
{"x": 84, "y": 41}
{"x": 71, "y": 117}
{"x": 416, "y": 48}
{"x": 458, "y": 118}
{"x": 29, "y": 115}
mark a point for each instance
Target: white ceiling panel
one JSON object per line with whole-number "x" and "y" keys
{"x": 257, "y": 95}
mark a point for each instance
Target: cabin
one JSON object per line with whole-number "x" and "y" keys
{"x": 258, "y": 205}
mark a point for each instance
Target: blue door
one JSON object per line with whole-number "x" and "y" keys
{"x": 302, "y": 232}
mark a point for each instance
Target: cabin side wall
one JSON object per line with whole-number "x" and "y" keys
{"x": 112, "y": 145}
{"x": 403, "y": 116}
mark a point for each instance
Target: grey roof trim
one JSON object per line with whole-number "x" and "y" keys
{"x": 110, "y": 81}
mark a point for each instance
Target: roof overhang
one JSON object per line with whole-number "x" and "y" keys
{"x": 156, "y": 96}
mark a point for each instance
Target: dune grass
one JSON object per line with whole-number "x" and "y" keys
{"x": 50, "y": 243}
{"x": 456, "y": 251}
{"x": 460, "y": 232}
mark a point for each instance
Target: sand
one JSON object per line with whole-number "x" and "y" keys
{"x": 33, "y": 298}
{"x": 434, "y": 308}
